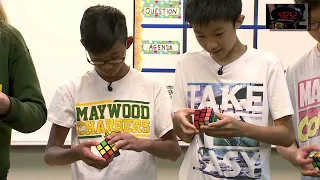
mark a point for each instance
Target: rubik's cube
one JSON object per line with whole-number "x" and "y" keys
{"x": 204, "y": 117}
{"x": 315, "y": 156}
{"x": 106, "y": 150}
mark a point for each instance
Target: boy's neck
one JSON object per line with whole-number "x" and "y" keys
{"x": 318, "y": 47}
{"x": 237, "y": 51}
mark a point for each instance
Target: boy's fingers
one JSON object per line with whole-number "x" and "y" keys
{"x": 189, "y": 111}
{"x": 309, "y": 149}
{"x": 220, "y": 115}
{"x": 187, "y": 124}
{"x": 304, "y": 161}
{"x": 91, "y": 143}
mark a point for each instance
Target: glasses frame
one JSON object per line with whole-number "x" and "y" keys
{"x": 100, "y": 63}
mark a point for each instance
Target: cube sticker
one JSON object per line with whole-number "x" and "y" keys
{"x": 203, "y": 117}
{"x": 106, "y": 150}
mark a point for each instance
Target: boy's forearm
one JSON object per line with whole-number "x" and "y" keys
{"x": 168, "y": 149}
{"x": 288, "y": 153}
{"x": 276, "y": 135}
{"x": 59, "y": 156}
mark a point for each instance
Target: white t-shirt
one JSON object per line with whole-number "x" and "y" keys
{"x": 303, "y": 78}
{"x": 137, "y": 105}
{"x": 249, "y": 89}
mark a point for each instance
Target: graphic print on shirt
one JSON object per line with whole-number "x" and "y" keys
{"x": 0, "y": 87}
{"x": 239, "y": 157}
{"x": 308, "y": 108}
{"x": 94, "y": 119}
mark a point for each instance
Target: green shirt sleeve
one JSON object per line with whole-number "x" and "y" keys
{"x": 28, "y": 111}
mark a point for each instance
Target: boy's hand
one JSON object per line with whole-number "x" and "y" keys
{"x": 4, "y": 104}
{"x": 184, "y": 118}
{"x": 126, "y": 141}
{"x": 225, "y": 127}
{"x": 302, "y": 161}
{"x": 84, "y": 153}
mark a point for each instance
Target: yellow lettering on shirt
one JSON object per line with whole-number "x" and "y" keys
{"x": 98, "y": 118}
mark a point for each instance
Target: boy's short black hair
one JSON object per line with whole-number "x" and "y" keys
{"x": 101, "y": 26}
{"x": 312, "y": 3}
{"x": 201, "y": 12}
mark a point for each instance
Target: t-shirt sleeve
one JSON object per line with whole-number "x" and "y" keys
{"x": 61, "y": 110}
{"x": 163, "y": 119}
{"x": 179, "y": 99}
{"x": 278, "y": 94}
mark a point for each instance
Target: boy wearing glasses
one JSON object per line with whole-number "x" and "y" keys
{"x": 135, "y": 106}
{"x": 303, "y": 77}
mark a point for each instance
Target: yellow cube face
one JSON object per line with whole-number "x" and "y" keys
{"x": 201, "y": 123}
{"x": 99, "y": 147}
{"x": 107, "y": 148}
{"x": 114, "y": 148}
{"x": 102, "y": 152}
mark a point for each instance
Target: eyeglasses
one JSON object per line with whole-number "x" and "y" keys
{"x": 113, "y": 61}
{"x": 314, "y": 25}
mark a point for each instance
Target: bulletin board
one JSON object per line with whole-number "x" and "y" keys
{"x": 161, "y": 35}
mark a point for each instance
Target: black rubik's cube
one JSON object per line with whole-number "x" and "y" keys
{"x": 203, "y": 117}
{"x": 106, "y": 150}
{"x": 315, "y": 156}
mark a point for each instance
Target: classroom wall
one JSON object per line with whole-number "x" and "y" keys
{"x": 51, "y": 29}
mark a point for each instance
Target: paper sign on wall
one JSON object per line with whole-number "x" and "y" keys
{"x": 160, "y": 47}
{"x": 161, "y": 8}
{"x": 170, "y": 90}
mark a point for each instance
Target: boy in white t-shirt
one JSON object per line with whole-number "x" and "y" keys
{"x": 247, "y": 86}
{"x": 111, "y": 97}
{"x": 303, "y": 78}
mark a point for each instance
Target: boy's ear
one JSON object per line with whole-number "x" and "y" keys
{"x": 239, "y": 21}
{"x": 129, "y": 42}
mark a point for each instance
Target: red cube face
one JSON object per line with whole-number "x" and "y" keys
{"x": 203, "y": 116}
{"x": 196, "y": 112}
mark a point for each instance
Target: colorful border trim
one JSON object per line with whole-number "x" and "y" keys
{"x": 137, "y": 36}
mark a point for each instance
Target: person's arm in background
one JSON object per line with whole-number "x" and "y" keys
{"x": 297, "y": 157}
{"x": 24, "y": 108}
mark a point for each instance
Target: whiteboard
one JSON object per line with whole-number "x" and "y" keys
{"x": 52, "y": 32}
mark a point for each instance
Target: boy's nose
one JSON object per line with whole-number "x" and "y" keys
{"x": 212, "y": 46}
{"x": 107, "y": 66}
